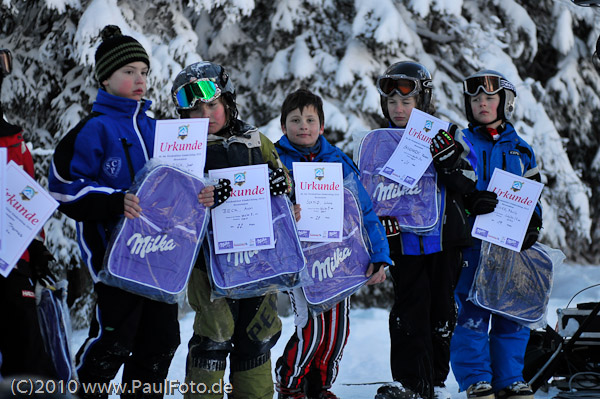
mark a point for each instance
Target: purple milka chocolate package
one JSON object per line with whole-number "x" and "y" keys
{"x": 417, "y": 208}
{"x": 253, "y": 273}
{"x": 153, "y": 255}
{"x": 337, "y": 269}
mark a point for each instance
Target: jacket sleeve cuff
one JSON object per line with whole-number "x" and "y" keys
{"x": 116, "y": 203}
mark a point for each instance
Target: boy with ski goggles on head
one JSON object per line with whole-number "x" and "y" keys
{"x": 426, "y": 258}
{"x": 241, "y": 330}
{"x": 488, "y": 362}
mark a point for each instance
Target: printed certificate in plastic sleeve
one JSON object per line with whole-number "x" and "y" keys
{"x": 320, "y": 193}
{"x": 244, "y": 221}
{"x": 2, "y": 190}
{"x": 182, "y": 143}
{"x": 507, "y": 225}
{"x": 27, "y": 206}
{"x": 412, "y": 155}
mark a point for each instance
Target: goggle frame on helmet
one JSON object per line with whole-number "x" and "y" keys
{"x": 405, "y": 86}
{"x": 5, "y": 62}
{"x": 187, "y": 95}
{"x": 490, "y": 84}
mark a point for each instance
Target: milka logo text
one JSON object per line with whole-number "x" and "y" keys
{"x": 326, "y": 268}
{"x": 384, "y": 192}
{"x": 141, "y": 245}
{"x": 241, "y": 258}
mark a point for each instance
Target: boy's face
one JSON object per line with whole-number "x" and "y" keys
{"x": 400, "y": 108}
{"x": 214, "y": 111}
{"x": 303, "y": 127}
{"x": 129, "y": 81}
{"x": 485, "y": 108}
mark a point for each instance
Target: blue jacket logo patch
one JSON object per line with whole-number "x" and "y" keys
{"x": 112, "y": 166}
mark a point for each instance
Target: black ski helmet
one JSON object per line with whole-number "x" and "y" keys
{"x": 213, "y": 72}
{"x": 497, "y": 84}
{"x": 412, "y": 71}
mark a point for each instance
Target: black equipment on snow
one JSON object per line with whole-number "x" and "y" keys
{"x": 567, "y": 358}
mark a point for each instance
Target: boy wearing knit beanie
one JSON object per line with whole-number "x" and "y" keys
{"x": 92, "y": 169}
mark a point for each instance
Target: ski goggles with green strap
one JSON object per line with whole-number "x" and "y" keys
{"x": 204, "y": 90}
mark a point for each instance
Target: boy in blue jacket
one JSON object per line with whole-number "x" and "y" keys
{"x": 488, "y": 362}
{"x": 92, "y": 168}
{"x": 302, "y": 122}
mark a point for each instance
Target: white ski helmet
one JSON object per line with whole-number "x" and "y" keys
{"x": 491, "y": 82}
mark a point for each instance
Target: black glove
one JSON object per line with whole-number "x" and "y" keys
{"x": 222, "y": 191}
{"x": 278, "y": 182}
{"x": 377, "y": 266}
{"x": 444, "y": 149}
{"x": 481, "y": 202}
{"x": 391, "y": 225}
{"x": 533, "y": 231}
{"x": 39, "y": 257}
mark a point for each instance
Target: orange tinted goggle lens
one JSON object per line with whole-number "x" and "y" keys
{"x": 489, "y": 84}
{"x": 5, "y": 62}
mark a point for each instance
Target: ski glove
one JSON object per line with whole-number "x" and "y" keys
{"x": 222, "y": 191}
{"x": 533, "y": 231}
{"x": 391, "y": 225}
{"x": 39, "y": 258}
{"x": 481, "y": 202}
{"x": 278, "y": 182}
{"x": 377, "y": 266}
{"x": 444, "y": 149}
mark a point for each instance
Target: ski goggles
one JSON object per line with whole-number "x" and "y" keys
{"x": 490, "y": 84}
{"x": 204, "y": 90}
{"x": 5, "y": 62}
{"x": 404, "y": 85}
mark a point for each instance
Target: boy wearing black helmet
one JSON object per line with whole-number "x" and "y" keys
{"x": 246, "y": 329}
{"x": 489, "y": 364}
{"x": 426, "y": 265}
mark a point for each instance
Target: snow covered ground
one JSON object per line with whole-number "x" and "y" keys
{"x": 366, "y": 357}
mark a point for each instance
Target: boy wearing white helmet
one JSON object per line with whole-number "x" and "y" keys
{"x": 489, "y": 364}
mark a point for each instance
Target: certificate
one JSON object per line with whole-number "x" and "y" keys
{"x": 182, "y": 143}
{"x": 412, "y": 155}
{"x": 27, "y": 207}
{"x": 320, "y": 192}
{"x": 507, "y": 225}
{"x": 2, "y": 190}
{"x": 244, "y": 222}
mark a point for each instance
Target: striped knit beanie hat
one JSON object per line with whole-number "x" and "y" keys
{"x": 116, "y": 51}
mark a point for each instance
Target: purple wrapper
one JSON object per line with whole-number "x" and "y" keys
{"x": 253, "y": 273}
{"x": 337, "y": 269}
{"x": 153, "y": 255}
{"x": 415, "y": 208}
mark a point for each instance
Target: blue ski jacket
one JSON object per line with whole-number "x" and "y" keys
{"x": 510, "y": 153}
{"x": 330, "y": 153}
{"x": 95, "y": 163}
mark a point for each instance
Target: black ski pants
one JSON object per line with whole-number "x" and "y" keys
{"x": 423, "y": 318}
{"x": 128, "y": 329}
